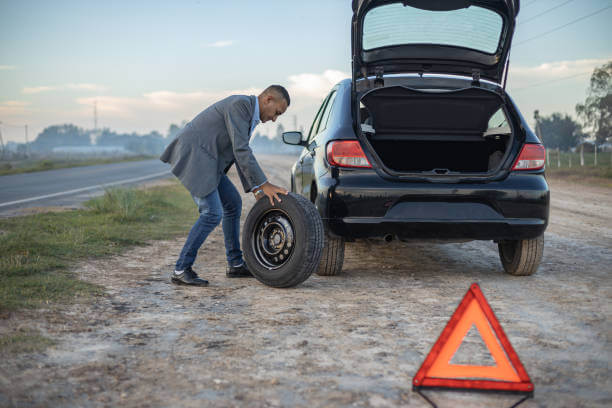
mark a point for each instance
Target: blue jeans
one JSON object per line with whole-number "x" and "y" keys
{"x": 225, "y": 204}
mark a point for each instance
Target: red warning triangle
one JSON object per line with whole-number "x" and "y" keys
{"x": 508, "y": 373}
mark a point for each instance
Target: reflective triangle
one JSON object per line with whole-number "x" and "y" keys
{"x": 508, "y": 373}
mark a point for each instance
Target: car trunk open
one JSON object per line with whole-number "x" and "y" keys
{"x": 461, "y": 37}
{"x": 435, "y": 132}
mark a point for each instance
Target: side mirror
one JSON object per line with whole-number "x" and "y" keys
{"x": 293, "y": 138}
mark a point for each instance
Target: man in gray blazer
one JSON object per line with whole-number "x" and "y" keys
{"x": 200, "y": 156}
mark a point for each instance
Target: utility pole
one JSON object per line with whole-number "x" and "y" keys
{"x": 1, "y": 143}
{"x": 27, "y": 143}
{"x": 95, "y": 115}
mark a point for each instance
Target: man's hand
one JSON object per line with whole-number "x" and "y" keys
{"x": 271, "y": 191}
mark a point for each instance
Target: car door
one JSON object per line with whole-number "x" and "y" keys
{"x": 297, "y": 179}
{"x": 308, "y": 175}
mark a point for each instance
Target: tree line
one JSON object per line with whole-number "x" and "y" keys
{"x": 152, "y": 143}
{"x": 562, "y": 132}
{"x": 70, "y": 135}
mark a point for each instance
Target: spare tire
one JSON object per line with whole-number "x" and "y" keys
{"x": 282, "y": 244}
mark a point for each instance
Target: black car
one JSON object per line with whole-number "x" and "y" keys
{"x": 423, "y": 142}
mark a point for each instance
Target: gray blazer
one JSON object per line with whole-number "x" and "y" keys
{"x": 208, "y": 145}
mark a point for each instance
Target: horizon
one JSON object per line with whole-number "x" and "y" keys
{"x": 148, "y": 65}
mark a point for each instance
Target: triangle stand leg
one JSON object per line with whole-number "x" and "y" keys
{"x": 419, "y": 390}
{"x": 525, "y": 398}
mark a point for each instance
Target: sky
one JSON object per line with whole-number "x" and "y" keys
{"x": 147, "y": 64}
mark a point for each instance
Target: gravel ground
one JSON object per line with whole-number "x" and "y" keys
{"x": 352, "y": 340}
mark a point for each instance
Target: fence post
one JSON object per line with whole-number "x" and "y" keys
{"x": 595, "y": 153}
{"x": 547, "y": 157}
{"x": 582, "y": 155}
{"x": 558, "y": 157}
{"x": 570, "y": 159}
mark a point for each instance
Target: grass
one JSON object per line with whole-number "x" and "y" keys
{"x": 558, "y": 166}
{"x": 38, "y": 250}
{"x": 24, "y": 341}
{"x": 29, "y": 166}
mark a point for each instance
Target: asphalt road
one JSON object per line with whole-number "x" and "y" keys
{"x": 72, "y": 186}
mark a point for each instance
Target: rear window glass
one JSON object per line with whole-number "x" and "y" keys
{"x": 394, "y": 24}
{"x": 498, "y": 119}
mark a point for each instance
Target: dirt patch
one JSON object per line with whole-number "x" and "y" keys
{"x": 352, "y": 340}
{"x": 582, "y": 212}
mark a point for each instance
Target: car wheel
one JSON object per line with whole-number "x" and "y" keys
{"x": 521, "y": 257}
{"x": 282, "y": 244}
{"x": 332, "y": 257}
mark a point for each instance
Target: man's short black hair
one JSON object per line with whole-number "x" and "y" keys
{"x": 280, "y": 90}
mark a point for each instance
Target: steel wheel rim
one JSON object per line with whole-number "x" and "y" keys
{"x": 273, "y": 239}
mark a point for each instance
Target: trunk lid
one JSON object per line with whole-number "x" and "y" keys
{"x": 460, "y": 37}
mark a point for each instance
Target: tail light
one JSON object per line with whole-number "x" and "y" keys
{"x": 346, "y": 153}
{"x": 532, "y": 157}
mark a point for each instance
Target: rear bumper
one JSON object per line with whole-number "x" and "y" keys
{"x": 359, "y": 204}
{"x": 438, "y": 229}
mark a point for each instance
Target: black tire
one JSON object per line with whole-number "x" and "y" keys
{"x": 521, "y": 257}
{"x": 282, "y": 244}
{"x": 332, "y": 257}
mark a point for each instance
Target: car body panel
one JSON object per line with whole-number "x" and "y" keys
{"x": 355, "y": 203}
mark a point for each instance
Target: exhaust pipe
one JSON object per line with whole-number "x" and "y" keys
{"x": 388, "y": 238}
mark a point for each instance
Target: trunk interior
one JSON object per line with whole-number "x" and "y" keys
{"x": 436, "y": 132}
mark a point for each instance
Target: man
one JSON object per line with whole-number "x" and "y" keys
{"x": 202, "y": 153}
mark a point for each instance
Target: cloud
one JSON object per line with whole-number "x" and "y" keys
{"x": 179, "y": 104}
{"x": 13, "y": 108}
{"x": 524, "y": 76}
{"x": 85, "y": 87}
{"x": 7, "y": 67}
{"x": 307, "y": 91}
{"x": 71, "y": 87}
{"x": 38, "y": 89}
{"x": 157, "y": 109}
{"x": 316, "y": 86}
{"x": 221, "y": 44}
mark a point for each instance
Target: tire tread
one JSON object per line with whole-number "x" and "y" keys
{"x": 312, "y": 247}
{"x": 332, "y": 257}
{"x": 527, "y": 256}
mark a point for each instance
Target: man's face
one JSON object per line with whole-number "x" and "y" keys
{"x": 272, "y": 107}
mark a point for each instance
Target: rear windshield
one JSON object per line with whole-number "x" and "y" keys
{"x": 394, "y": 24}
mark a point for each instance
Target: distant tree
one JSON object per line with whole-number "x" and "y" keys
{"x": 596, "y": 111}
{"x": 109, "y": 138}
{"x": 155, "y": 135}
{"x": 150, "y": 144}
{"x": 558, "y": 131}
{"x": 22, "y": 150}
{"x": 279, "y": 131}
{"x": 172, "y": 131}
{"x": 61, "y": 135}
